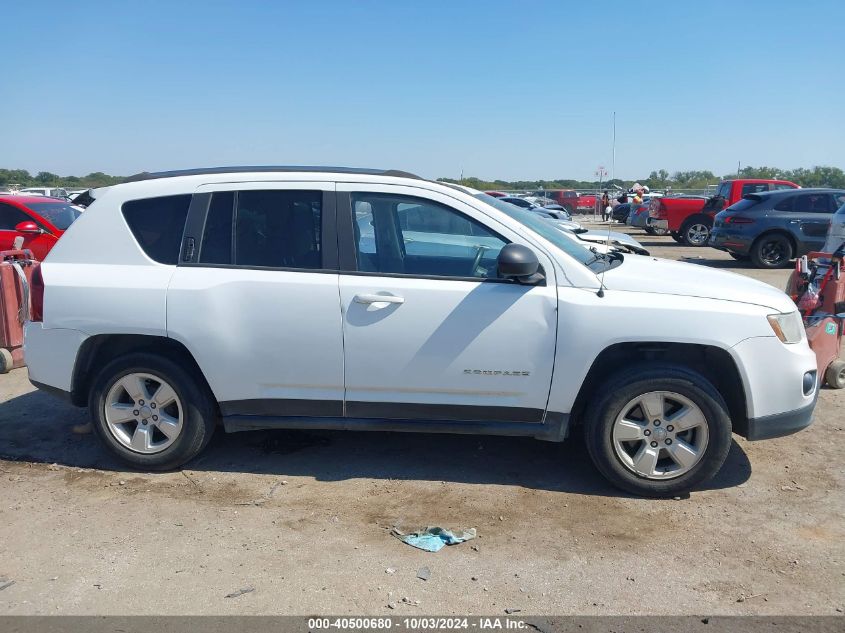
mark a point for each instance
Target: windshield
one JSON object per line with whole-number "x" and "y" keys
{"x": 58, "y": 214}
{"x": 547, "y": 230}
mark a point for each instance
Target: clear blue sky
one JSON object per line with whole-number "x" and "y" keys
{"x": 499, "y": 89}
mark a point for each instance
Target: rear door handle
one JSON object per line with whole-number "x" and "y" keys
{"x": 367, "y": 299}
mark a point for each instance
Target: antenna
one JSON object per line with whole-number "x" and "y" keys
{"x": 601, "y": 172}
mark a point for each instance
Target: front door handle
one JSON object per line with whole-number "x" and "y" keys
{"x": 367, "y": 299}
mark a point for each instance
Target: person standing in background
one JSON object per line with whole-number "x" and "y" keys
{"x": 605, "y": 206}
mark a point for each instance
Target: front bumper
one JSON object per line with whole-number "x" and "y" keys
{"x": 773, "y": 377}
{"x": 730, "y": 241}
{"x": 781, "y": 424}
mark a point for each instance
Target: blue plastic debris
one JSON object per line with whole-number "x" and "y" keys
{"x": 432, "y": 539}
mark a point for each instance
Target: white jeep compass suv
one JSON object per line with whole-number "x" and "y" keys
{"x": 279, "y": 297}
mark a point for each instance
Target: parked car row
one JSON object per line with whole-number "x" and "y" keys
{"x": 766, "y": 222}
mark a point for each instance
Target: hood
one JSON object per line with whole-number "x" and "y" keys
{"x": 662, "y": 276}
{"x": 612, "y": 236}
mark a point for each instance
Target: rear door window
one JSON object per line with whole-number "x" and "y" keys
{"x": 264, "y": 229}
{"x": 158, "y": 224}
{"x": 813, "y": 203}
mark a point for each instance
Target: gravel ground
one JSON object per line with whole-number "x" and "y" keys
{"x": 302, "y": 521}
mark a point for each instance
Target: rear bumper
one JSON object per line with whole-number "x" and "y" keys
{"x": 50, "y": 354}
{"x": 659, "y": 224}
{"x": 730, "y": 241}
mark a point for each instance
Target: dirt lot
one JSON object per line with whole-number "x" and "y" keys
{"x": 303, "y": 519}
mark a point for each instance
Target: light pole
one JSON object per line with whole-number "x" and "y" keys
{"x": 601, "y": 172}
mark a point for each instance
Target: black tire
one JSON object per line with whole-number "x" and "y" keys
{"x": 739, "y": 258}
{"x": 695, "y": 232}
{"x": 642, "y": 378}
{"x": 6, "y": 361}
{"x": 199, "y": 414}
{"x": 772, "y": 250}
{"x": 834, "y": 375}
{"x": 677, "y": 237}
{"x": 650, "y": 230}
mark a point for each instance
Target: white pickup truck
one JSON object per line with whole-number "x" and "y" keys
{"x": 278, "y": 297}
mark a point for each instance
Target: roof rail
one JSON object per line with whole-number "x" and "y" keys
{"x": 202, "y": 171}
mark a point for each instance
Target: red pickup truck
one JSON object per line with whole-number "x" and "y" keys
{"x": 689, "y": 219}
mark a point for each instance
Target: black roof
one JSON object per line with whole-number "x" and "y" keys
{"x": 268, "y": 168}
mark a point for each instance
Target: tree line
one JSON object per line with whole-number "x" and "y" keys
{"x": 662, "y": 179}
{"x": 658, "y": 179}
{"x": 46, "y": 179}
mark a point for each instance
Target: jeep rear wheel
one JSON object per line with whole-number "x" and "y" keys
{"x": 771, "y": 251}
{"x": 658, "y": 430}
{"x": 150, "y": 412}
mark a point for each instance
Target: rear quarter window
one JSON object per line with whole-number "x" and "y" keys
{"x": 157, "y": 224}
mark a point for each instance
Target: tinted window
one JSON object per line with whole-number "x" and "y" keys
{"x": 781, "y": 186}
{"x": 58, "y": 214}
{"x": 744, "y": 204}
{"x": 278, "y": 229}
{"x": 838, "y": 200}
{"x": 216, "y": 245}
{"x": 813, "y": 203}
{"x": 10, "y": 217}
{"x": 787, "y": 204}
{"x": 413, "y": 236}
{"x": 754, "y": 187}
{"x": 157, "y": 224}
{"x": 724, "y": 190}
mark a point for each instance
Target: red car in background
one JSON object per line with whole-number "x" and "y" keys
{"x": 40, "y": 221}
{"x": 567, "y": 198}
{"x": 497, "y": 194}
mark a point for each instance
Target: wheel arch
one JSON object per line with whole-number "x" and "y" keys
{"x": 696, "y": 217}
{"x": 714, "y": 362}
{"x": 100, "y": 349}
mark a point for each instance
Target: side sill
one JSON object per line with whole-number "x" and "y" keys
{"x": 554, "y": 430}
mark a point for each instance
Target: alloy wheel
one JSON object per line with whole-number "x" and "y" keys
{"x": 143, "y": 413}
{"x": 660, "y": 435}
{"x": 698, "y": 233}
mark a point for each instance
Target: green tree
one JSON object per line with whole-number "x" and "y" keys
{"x": 46, "y": 178}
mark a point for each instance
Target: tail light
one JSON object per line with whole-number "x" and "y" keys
{"x": 657, "y": 210}
{"x": 36, "y": 294}
{"x": 738, "y": 219}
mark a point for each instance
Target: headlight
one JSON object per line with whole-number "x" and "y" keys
{"x": 789, "y": 328}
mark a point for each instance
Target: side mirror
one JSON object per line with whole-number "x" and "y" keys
{"x": 519, "y": 262}
{"x": 27, "y": 226}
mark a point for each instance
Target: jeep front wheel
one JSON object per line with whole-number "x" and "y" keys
{"x": 658, "y": 430}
